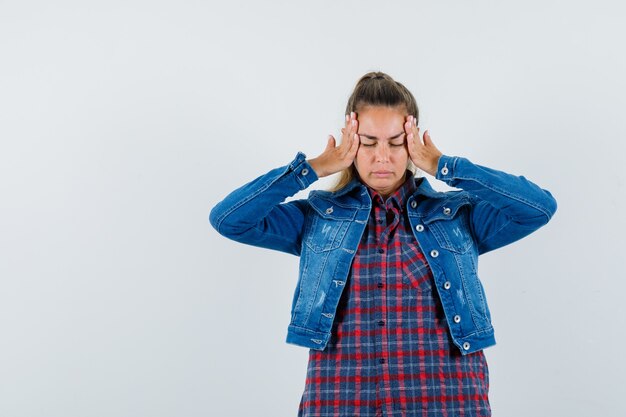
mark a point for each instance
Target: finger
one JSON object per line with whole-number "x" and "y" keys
{"x": 353, "y": 122}
{"x": 407, "y": 127}
{"x": 355, "y": 145}
{"x": 410, "y": 141}
{"x": 414, "y": 124}
{"x": 349, "y": 118}
{"x": 420, "y": 137}
{"x": 353, "y": 129}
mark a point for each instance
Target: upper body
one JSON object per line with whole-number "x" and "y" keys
{"x": 491, "y": 209}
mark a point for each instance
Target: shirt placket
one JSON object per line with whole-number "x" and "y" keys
{"x": 387, "y": 218}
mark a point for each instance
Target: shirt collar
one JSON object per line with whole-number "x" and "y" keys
{"x": 398, "y": 197}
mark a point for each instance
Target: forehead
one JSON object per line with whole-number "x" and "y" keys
{"x": 381, "y": 121}
{"x": 381, "y": 114}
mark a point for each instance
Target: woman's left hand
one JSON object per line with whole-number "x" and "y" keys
{"x": 423, "y": 153}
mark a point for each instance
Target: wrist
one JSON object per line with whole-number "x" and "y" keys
{"x": 314, "y": 163}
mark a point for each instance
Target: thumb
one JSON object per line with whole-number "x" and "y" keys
{"x": 331, "y": 143}
{"x": 427, "y": 139}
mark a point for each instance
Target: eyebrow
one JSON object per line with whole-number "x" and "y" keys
{"x": 375, "y": 138}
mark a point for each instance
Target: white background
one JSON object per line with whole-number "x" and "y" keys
{"x": 123, "y": 122}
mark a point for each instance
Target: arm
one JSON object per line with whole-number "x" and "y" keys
{"x": 256, "y": 214}
{"x": 506, "y": 207}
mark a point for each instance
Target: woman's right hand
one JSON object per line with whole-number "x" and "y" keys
{"x": 337, "y": 158}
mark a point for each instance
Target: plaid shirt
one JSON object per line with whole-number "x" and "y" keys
{"x": 390, "y": 353}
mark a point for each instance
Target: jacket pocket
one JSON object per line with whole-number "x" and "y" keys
{"x": 326, "y": 224}
{"x": 452, "y": 230}
{"x": 325, "y": 234}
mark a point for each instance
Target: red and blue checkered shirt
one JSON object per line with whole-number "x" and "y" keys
{"x": 390, "y": 353}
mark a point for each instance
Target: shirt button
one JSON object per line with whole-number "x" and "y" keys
{"x": 305, "y": 171}
{"x": 329, "y": 210}
{"x": 434, "y": 253}
{"x": 446, "y": 210}
{"x": 457, "y": 319}
{"x": 381, "y": 323}
{"x": 419, "y": 227}
{"x": 381, "y": 360}
{"x": 466, "y": 345}
{"x": 444, "y": 170}
{"x": 381, "y": 285}
{"x": 413, "y": 204}
{"x": 381, "y": 250}
{"x": 447, "y": 285}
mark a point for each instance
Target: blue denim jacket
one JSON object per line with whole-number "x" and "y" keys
{"x": 452, "y": 228}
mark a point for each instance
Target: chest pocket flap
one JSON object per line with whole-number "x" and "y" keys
{"x": 450, "y": 225}
{"x": 327, "y": 224}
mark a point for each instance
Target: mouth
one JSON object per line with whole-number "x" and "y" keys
{"x": 382, "y": 173}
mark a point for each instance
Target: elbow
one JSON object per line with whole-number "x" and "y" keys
{"x": 550, "y": 205}
{"x": 227, "y": 224}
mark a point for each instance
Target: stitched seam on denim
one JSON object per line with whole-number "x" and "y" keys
{"x": 318, "y": 195}
{"x": 470, "y": 304}
{"x": 307, "y": 315}
{"x": 481, "y": 294}
{"x": 308, "y": 330}
{"x": 480, "y": 333}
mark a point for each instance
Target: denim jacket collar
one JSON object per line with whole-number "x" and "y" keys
{"x": 422, "y": 188}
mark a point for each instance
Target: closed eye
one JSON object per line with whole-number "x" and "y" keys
{"x": 397, "y": 142}
{"x": 363, "y": 143}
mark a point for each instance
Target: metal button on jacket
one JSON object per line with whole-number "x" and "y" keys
{"x": 457, "y": 319}
{"x": 447, "y": 285}
{"x": 444, "y": 170}
{"x": 446, "y": 210}
{"x": 419, "y": 228}
{"x": 305, "y": 171}
{"x": 434, "y": 253}
{"x": 466, "y": 345}
{"x": 413, "y": 204}
{"x": 329, "y": 210}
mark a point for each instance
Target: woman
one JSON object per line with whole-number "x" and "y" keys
{"x": 388, "y": 298}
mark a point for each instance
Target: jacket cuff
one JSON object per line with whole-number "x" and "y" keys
{"x": 445, "y": 167}
{"x": 305, "y": 175}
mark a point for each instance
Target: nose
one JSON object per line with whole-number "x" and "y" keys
{"x": 382, "y": 152}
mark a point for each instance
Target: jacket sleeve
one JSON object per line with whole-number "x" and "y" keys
{"x": 506, "y": 207}
{"x": 256, "y": 213}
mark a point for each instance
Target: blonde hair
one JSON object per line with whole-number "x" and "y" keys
{"x": 376, "y": 89}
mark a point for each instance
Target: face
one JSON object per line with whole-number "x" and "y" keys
{"x": 382, "y": 158}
